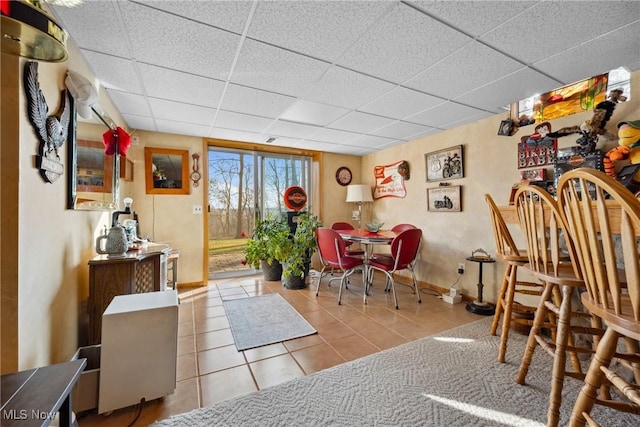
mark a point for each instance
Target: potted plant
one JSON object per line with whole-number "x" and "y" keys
{"x": 295, "y": 254}
{"x": 263, "y": 249}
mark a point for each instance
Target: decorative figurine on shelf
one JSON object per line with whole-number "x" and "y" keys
{"x": 616, "y": 96}
{"x": 590, "y": 129}
{"x": 628, "y": 147}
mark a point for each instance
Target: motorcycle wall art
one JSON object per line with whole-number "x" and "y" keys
{"x": 445, "y": 164}
{"x": 444, "y": 199}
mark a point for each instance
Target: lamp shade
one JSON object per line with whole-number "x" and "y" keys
{"x": 359, "y": 193}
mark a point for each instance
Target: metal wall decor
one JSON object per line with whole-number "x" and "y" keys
{"x": 445, "y": 164}
{"x": 195, "y": 174}
{"x": 444, "y": 199}
{"x": 51, "y": 130}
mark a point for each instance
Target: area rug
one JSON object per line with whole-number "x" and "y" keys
{"x": 264, "y": 319}
{"x": 449, "y": 379}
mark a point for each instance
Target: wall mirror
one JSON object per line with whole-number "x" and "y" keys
{"x": 92, "y": 183}
{"x": 166, "y": 170}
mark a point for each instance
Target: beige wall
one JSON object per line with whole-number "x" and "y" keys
{"x": 46, "y": 263}
{"x": 490, "y": 166}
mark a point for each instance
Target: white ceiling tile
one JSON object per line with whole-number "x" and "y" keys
{"x": 180, "y": 112}
{"x": 91, "y": 29}
{"x": 139, "y": 122}
{"x": 184, "y": 87}
{"x": 610, "y": 47}
{"x": 241, "y": 122}
{"x": 401, "y": 45}
{"x": 571, "y": 21}
{"x": 291, "y": 130}
{"x": 446, "y": 113}
{"x": 521, "y": 85}
{"x": 114, "y": 72}
{"x": 254, "y": 101}
{"x": 322, "y": 29}
{"x": 317, "y": 145}
{"x": 346, "y": 88}
{"x": 228, "y": 15}
{"x": 236, "y": 135}
{"x": 459, "y": 73}
{"x": 333, "y": 136}
{"x": 401, "y": 102}
{"x": 401, "y": 130}
{"x": 466, "y": 120}
{"x": 270, "y": 68}
{"x": 371, "y": 141}
{"x": 129, "y": 103}
{"x": 167, "y": 40}
{"x": 180, "y": 128}
{"x": 313, "y": 113}
{"x": 474, "y": 17}
{"x": 361, "y": 122}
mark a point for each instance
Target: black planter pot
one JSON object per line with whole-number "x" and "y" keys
{"x": 273, "y": 271}
{"x": 298, "y": 282}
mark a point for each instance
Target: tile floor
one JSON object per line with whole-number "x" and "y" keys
{"x": 210, "y": 369}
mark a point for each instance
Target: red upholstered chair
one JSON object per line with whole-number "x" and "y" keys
{"x": 405, "y": 248}
{"x": 398, "y": 228}
{"x": 347, "y": 226}
{"x": 331, "y": 250}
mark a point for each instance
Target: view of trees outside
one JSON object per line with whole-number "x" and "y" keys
{"x": 240, "y": 183}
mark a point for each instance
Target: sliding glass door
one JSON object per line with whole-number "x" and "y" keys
{"x": 246, "y": 186}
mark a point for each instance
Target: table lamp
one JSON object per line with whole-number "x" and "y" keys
{"x": 359, "y": 193}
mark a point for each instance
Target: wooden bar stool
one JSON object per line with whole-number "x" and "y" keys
{"x": 541, "y": 223}
{"x": 513, "y": 257}
{"x": 609, "y": 261}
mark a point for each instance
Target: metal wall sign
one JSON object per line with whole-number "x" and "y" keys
{"x": 51, "y": 130}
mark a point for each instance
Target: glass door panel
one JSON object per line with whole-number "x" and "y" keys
{"x": 244, "y": 187}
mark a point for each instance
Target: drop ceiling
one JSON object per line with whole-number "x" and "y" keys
{"x": 350, "y": 77}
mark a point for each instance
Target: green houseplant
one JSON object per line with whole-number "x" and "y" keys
{"x": 295, "y": 253}
{"x": 263, "y": 250}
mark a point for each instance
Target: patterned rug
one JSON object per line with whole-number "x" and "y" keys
{"x": 449, "y": 379}
{"x": 264, "y": 319}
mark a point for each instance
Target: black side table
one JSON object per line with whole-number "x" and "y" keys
{"x": 478, "y": 306}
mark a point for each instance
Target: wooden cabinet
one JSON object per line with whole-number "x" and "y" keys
{"x": 137, "y": 272}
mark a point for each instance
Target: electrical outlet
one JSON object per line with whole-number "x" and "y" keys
{"x": 461, "y": 268}
{"x": 197, "y": 209}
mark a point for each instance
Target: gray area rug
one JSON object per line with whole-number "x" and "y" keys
{"x": 449, "y": 379}
{"x": 264, "y": 319}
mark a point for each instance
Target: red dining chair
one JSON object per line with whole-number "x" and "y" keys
{"x": 405, "y": 248}
{"x": 398, "y": 228}
{"x": 331, "y": 250}
{"x": 346, "y": 226}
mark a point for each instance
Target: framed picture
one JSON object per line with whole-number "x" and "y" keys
{"x": 444, "y": 199}
{"x": 444, "y": 164}
{"x": 126, "y": 169}
{"x": 533, "y": 175}
{"x": 506, "y": 128}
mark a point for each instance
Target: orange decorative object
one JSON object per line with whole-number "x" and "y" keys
{"x": 295, "y": 198}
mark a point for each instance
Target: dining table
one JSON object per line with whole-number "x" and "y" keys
{"x": 368, "y": 239}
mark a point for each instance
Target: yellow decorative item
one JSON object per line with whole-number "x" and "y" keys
{"x": 628, "y": 147}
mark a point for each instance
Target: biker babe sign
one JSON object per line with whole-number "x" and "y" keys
{"x": 444, "y": 199}
{"x": 444, "y": 164}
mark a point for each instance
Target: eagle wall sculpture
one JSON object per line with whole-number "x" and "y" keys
{"x": 51, "y": 130}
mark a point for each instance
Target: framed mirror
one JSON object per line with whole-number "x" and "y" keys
{"x": 166, "y": 171}
{"x": 92, "y": 181}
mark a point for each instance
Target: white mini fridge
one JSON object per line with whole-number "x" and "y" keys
{"x": 139, "y": 349}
